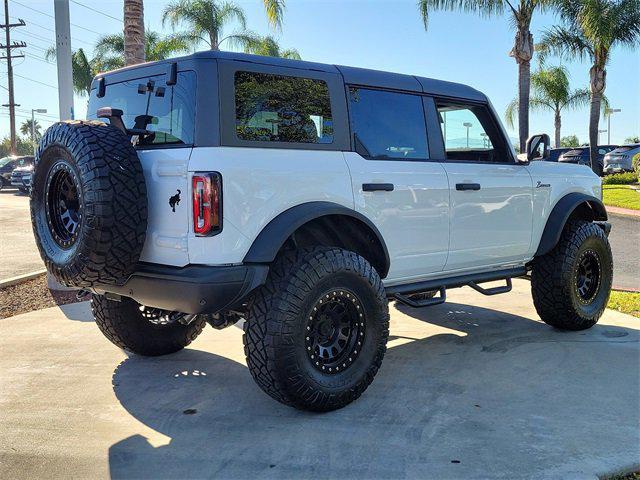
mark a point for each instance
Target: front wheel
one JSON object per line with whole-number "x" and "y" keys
{"x": 571, "y": 284}
{"x": 316, "y": 332}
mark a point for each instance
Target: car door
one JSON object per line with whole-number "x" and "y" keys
{"x": 395, "y": 184}
{"x": 491, "y": 211}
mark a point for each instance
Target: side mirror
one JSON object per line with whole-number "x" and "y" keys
{"x": 538, "y": 147}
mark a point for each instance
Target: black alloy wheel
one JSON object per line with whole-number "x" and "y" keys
{"x": 63, "y": 204}
{"x": 587, "y": 277}
{"x": 335, "y": 331}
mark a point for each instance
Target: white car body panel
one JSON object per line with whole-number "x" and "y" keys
{"x": 492, "y": 225}
{"x": 551, "y": 182}
{"x": 165, "y": 172}
{"x": 260, "y": 183}
{"x": 431, "y": 230}
{"x": 413, "y": 219}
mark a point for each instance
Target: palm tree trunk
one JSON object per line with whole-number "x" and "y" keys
{"x": 598, "y": 77}
{"x": 524, "y": 87}
{"x": 558, "y": 125}
{"x": 133, "y": 32}
{"x": 213, "y": 40}
{"x": 522, "y": 51}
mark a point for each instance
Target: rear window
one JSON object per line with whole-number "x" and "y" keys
{"x": 150, "y": 104}
{"x": 279, "y": 108}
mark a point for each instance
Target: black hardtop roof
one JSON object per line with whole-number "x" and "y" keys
{"x": 351, "y": 75}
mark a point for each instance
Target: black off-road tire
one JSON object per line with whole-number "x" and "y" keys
{"x": 125, "y": 326}
{"x": 276, "y": 329}
{"x": 555, "y": 278}
{"x": 104, "y": 169}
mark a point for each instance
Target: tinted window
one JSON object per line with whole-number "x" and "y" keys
{"x": 470, "y": 134}
{"x": 278, "y": 108}
{"x": 148, "y": 103}
{"x": 388, "y": 125}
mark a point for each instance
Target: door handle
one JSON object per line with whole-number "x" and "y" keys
{"x": 377, "y": 187}
{"x": 467, "y": 186}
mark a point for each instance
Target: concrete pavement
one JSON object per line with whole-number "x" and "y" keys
{"x": 475, "y": 388}
{"x": 18, "y": 251}
{"x": 624, "y": 239}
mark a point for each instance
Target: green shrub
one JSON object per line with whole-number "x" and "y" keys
{"x": 626, "y": 178}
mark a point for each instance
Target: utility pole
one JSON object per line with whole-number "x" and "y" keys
{"x": 63, "y": 58}
{"x": 8, "y": 46}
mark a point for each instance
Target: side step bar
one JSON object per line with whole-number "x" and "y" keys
{"x": 427, "y": 302}
{"x": 400, "y": 292}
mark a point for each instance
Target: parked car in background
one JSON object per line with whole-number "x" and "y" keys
{"x": 554, "y": 153}
{"x": 9, "y": 164}
{"x": 580, "y": 155}
{"x": 21, "y": 176}
{"x": 621, "y": 159}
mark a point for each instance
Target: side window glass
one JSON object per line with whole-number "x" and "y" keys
{"x": 149, "y": 104}
{"x": 469, "y": 133}
{"x": 388, "y": 125}
{"x": 279, "y": 108}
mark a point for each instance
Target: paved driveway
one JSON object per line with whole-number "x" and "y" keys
{"x": 475, "y": 388}
{"x": 625, "y": 244}
{"x": 18, "y": 251}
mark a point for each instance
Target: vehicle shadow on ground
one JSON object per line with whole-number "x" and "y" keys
{"x": 494, "y": 393}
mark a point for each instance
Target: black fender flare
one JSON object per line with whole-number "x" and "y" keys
{"x": 269, "y": 241}
{"x": 561, "y": 213}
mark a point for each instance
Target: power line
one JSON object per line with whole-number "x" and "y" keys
{"x": 51, "y": 16}
{"x": 36, "y": 81}
{"x": 97, "y": 11}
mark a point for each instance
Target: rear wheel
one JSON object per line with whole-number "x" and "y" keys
{"x": 141, "y": 330}
{"x": 571, "y": 284}
{"x": 316, "y": 332}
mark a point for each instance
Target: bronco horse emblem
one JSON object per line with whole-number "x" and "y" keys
{"x": 174, "y": 200}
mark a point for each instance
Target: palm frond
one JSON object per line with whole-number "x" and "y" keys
{"x": 484, "y": 8}
{"x": 511, "y": 112}
{"x": 564, "y": 43}
{"x": 275, "y": 12}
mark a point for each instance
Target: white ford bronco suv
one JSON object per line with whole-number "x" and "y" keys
{"x": 300, "y": 197}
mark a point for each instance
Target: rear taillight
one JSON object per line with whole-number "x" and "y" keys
{"x": 207, "y": 204}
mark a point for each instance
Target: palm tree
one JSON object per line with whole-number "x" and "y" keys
{"x": 133, "y": 32}
{"x": 268, "y": 46}
{"x": 110, "y": 49}
{"x": 206, "y": 20}
{"x": 523, "y": 48}
{"x": 25, "y": 129}
{"x": 591, "y": 29}
{"x": 83, "y": 70}
{"x": 551, "y": 92}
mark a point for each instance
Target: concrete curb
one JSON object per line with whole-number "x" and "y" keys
{"x": 21, "y": 278}
{"x": 625, "y": 212}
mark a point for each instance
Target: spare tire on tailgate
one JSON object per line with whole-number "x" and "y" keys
{"x": 88, "y": 204}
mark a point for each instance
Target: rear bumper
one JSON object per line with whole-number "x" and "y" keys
{"x": 192, "y": 289}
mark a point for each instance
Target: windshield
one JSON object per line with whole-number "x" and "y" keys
{"x": 626, "y": 148}
{"x": 5, "y": 160}
{"x": 575, "y": 152}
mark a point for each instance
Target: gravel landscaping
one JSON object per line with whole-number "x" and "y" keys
{"x": 31, "y": 295}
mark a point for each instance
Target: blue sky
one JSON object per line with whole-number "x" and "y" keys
{"x": 385, "y": 35}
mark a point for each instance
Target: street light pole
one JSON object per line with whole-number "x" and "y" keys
{"x": 468, "y": 125}
{"x": 608, "y": 112}
{"x": 33, "y": 126}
